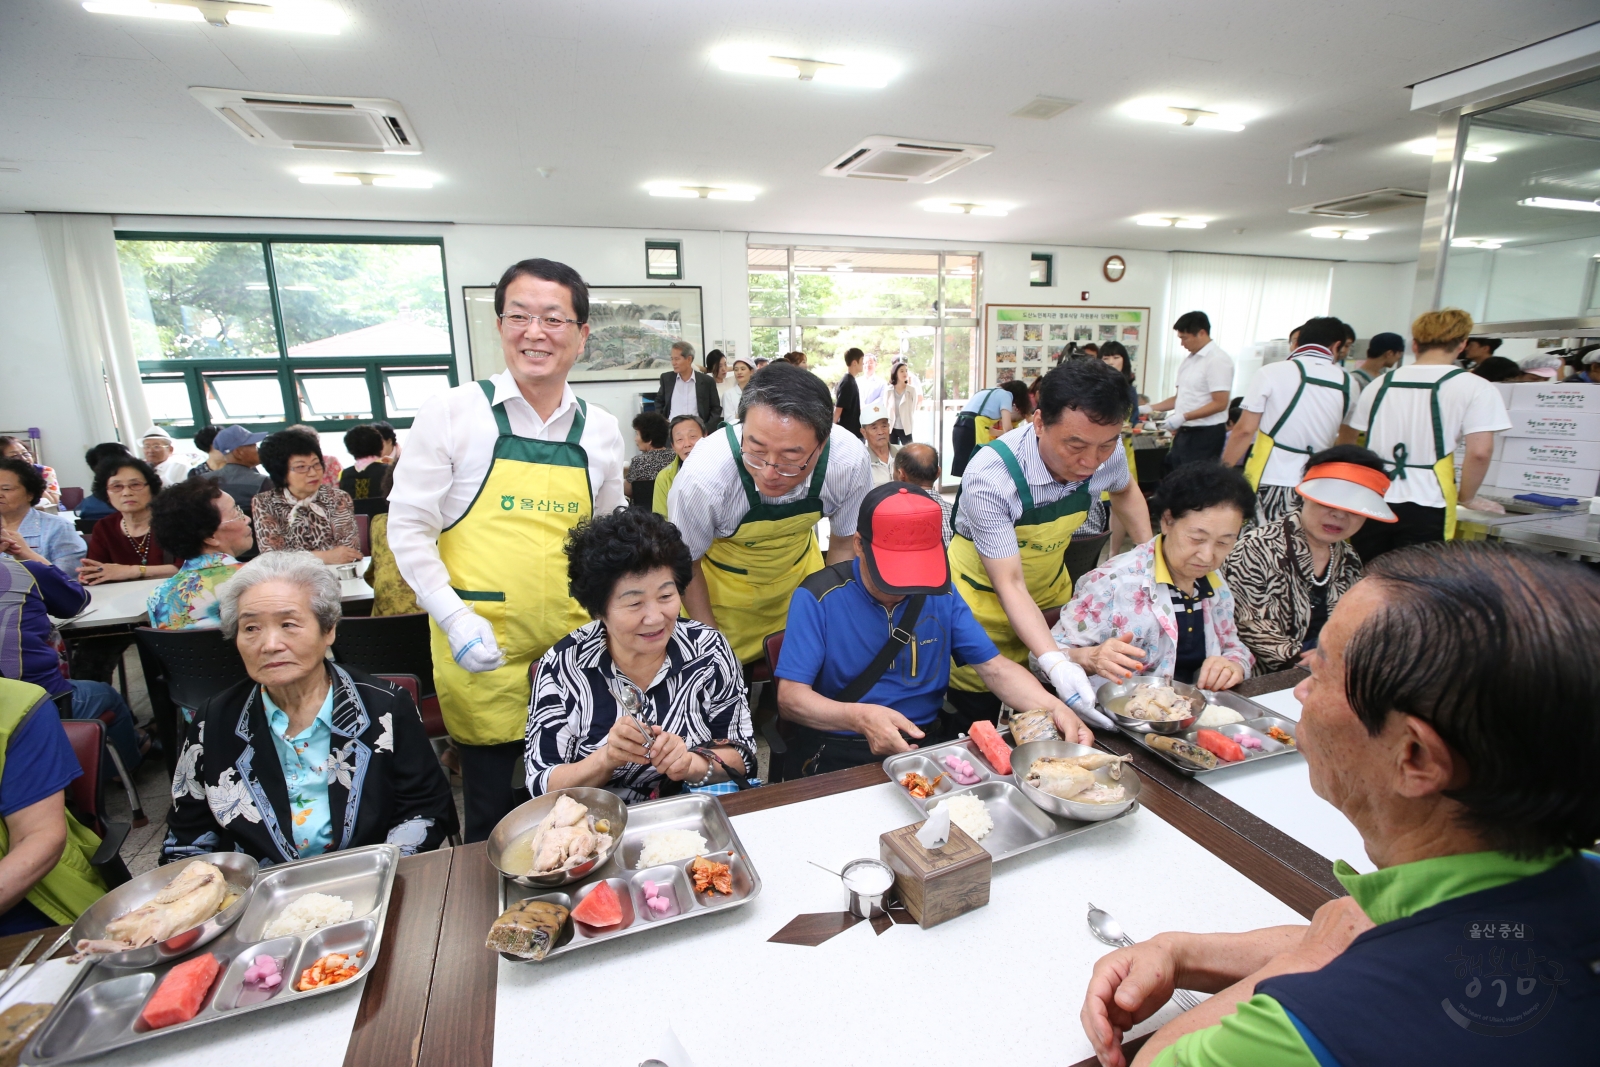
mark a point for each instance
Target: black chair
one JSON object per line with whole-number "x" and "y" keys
{"x": 643, "y": 495}
{"x": 87, "y": 801}
{"x": 388, "y": 645}
{"x": 1083, "y": 554}
{"x": 193, "y": 666}
{"x": 371, "y": 506}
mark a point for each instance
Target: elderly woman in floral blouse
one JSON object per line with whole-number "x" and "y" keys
{"x": 305, "y": 756}
{"x": 301, "y": 512}
{"x": 1163, "y": 608}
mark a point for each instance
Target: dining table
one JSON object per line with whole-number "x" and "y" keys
{"x": 1201, "y": 853}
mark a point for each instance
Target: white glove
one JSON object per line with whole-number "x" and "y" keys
{"x": 1174, "y": 420}
{"x": 1072, "y": 686}
{"x": 472, "y": 642}
{"x": 1145, "y": 409}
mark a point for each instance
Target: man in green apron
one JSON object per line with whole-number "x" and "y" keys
{"x": 1384, "y": 353}
{"x": 1021, "y": 498}
{"x": 1294, "y": 409}
{"x": 496, "y": 474}
{"x": 749, "y": 497}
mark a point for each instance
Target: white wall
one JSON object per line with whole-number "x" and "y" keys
{"x": 1373, "y": 297}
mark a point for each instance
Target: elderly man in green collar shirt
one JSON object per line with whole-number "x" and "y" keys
{"x": 1446, "y": 719}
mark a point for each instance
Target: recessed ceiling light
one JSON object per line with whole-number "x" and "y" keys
{"x": 306, "y": 16}
{"x": 689, "y": 191}
{"x": 1329, "y": 233}
{"x": 957, "y": 207}
{"x": 1427, "y": 146}
{"x": 1232, "y": 119}
{"x": 1490, "y": 243}
{"x": 1561, "y": 205}
{"x": 1182, "y": 222}
{"x": 866, "y": 72}
{"x": 407, "y": 180}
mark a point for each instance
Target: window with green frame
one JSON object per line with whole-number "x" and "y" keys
{"x": 264, "y": 331}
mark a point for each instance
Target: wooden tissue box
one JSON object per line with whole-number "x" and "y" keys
{"x": 937, "y": 885}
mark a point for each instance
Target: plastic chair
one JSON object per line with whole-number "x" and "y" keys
{"x": 387, "y": 645}
{"x": 1083, "y": 555}
{"x": 363, "y": 523}
{"x": 86, "y": 798}
{"x": 198, "y": 664}
{"x": 1050, "y": 617}
{"x": 408, "y": 682}
{"x": 371, "y": 506}
{"x": 768, "y": 724}
{"x": 71, "y": 497}
{"x": 106, "y": 718}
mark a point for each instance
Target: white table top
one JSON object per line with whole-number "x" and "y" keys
{"x": 1001, "y": 984}
{"x": 123, "y": 603}
{"x": 1278, "y": 791}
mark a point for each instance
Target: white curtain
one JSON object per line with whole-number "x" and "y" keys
{"x": 1249, "y": 299}
{"x": 80, "y": 252}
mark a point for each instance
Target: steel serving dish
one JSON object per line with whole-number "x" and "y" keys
{"x": 1022, "y": 758}
{"x": 690, "y": 811}
{"x": 1255, "y": 728}
{"x": 238, "y": 869}
{"x": 1020, "y": 825}
{"x": 1113, "y": 698}
{"x": 602, "y": 804}
{"x": 100, "y": 1010}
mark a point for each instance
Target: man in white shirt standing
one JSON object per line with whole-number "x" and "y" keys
{"x": 686, "y": 391}
{"x": 496, "y": 474}
{"x": 157, "y": 448}
{"x": 1293, "y": 410}
{"x": 1200, "y": 406}
{"x": 1414, "y": 417}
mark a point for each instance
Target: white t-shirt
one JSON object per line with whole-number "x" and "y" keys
{"x": 1202, "y": 373}
{"x": 1467, "y": 404}
{"x": 1314, "y": 423}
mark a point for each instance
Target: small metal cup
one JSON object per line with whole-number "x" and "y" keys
{"x": 867, "y": 905}
{"x": 345, "y": 571}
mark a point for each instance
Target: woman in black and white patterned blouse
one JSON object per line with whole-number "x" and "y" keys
{"x": 640, "y": 701}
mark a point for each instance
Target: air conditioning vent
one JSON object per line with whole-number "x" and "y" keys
{"x": 1362, "y": 204}
{"x": 897, "y": 159}
{"x": 1043, "y": 107}
{"x": 316, "y": 123}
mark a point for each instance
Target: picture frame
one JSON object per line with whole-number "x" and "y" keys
{"x": 1006, "y": 324}
{"x": 631, "y": 331}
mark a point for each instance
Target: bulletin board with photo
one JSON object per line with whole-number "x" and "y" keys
{"x": 1023, "y": 341}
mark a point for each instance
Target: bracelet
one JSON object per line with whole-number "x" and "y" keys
{"x": 141, "y": 570}
{"x": 711, "y": 767}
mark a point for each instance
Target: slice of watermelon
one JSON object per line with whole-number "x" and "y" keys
{"x": 181, "y": 993}
{"x": 996, "y": 751}
{"x": 1220, "y": 745}
{"x": 600, "y": 908}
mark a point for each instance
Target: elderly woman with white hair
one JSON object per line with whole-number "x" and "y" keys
{"x": 306, "y": 756}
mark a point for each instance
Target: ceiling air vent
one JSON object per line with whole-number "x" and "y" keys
{"x": 1043, "y": 107}
{"x": 1355, "y": 207}
{"x": 318, "y": 123}
{"x": 899, "y": 159}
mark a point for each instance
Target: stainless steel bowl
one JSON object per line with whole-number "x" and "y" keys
{"x": 602, "y": 804}
{"x": 1022, "y": 758}
{"x": 1115, "y": 697}
{"x": 237, "y": 868}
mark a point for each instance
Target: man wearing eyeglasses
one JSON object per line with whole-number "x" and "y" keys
{"x": 496, "y": 474}
{"x": 748, "y": 499}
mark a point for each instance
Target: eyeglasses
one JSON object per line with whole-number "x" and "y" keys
{"x": 126, "y": 487}
{"x": 788, "y": 470}
{"x": 236, "y": 515}
{"x": 306, "y": 468}
{"x": 518, "y": 321}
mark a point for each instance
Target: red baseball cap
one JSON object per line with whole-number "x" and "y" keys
{"x": 902, "y": 540}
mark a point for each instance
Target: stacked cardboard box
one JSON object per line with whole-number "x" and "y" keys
{"x": 1553, "y": 445}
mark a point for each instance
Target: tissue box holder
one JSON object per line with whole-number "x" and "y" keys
{"x": 936, "y": 886}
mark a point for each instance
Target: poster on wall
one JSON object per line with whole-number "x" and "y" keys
{"x": 1023, "y": 341}
{"x": 631, "y": 331}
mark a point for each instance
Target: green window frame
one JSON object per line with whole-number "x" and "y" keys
{"x": 288, "y": 370}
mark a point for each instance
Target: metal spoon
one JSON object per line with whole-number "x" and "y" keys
{"x": 1107, "y": 930}
{"x": 628, "y": 700}
{"x": 11, "y": 970}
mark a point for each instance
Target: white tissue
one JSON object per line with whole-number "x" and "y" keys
{"x": 936, "y": 831}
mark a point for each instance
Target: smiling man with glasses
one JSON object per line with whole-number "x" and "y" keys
{"x": 496, "y": 474}
{"x": 749, "y": 497}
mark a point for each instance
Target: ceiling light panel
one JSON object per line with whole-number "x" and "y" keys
{"x": 1428, "y": 146}
{"x": 961, "y": 207}
{"x": 1188, "y": 113}
{"x": 829, "y": 68}
{"x": 1182, "y": 222}
{"x": 381, "y": 179}
{"x": 1559, "y": 204}
{"x": 1331, "y": 234}
{"x": 302, "y": 16}
{"x": 1490, "y": 243}
{"x": 693, "y": 191}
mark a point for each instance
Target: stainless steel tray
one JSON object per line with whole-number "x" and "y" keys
{"x": 1019, "y": 824}
{"x": 691, "y": 811}
{"x": 100, "y": 1010}
{"x": 1255, "y": 727}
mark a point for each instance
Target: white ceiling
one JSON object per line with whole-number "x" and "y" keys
{"x": 96, "y": 116}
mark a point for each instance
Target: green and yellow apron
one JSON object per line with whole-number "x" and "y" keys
{"x": 982, "y": 425}
{"x": 1043, "y": 534}
{"x": 1443, "y": 465}
{"x": 664, "y": 480}
{"x": 751, "y": 574}
{"x": 1266, "y": 440}
{"x": 505, "y": 559}
{"x": 72, "y": 884}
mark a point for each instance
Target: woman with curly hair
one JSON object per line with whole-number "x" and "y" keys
{"x": 301, "y": 512}
{"x": 640, "y": 701}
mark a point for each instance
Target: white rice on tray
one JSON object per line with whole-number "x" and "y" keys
{"x": 969, "y": 813}
{"x": 668, "y": 846}
{"x": 309, "y": 912}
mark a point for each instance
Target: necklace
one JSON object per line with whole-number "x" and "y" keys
{"x": 140, "y": 545}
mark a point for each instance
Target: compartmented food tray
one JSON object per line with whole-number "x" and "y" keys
{"x": 1257, "y": 729}
{"x": 102, "y": 1009}
{"x": 698, "y": 812}
{"x": 1019, "y": 824}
